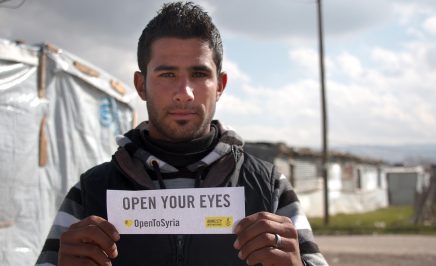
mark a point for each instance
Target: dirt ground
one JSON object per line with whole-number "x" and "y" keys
{"x": 350, "y": 259}
{"x": 398, "y": 250}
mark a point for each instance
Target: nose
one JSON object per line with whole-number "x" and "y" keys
{"x": 184, "y": 93}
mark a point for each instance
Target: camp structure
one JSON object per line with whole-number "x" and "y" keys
{"x": 59, "y": 116}
{"x": 355, "y": 184}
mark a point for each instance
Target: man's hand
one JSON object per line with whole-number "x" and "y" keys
{"x": 88, "y": 242}
{"x": 257, "y": 242}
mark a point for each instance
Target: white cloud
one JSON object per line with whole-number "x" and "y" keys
{"x": 290, "y": 20}
{"x": 306, "y": 58}
{"x": 350, "y": 65}
{"x": 232, "y": 105}
{"x": 234, "y": 72}
{"x": 384, "y": 98}
{"x": 383, "y": 92}
{"x": 392, "y": 62}
{"x": 430, "y": 25}
{"x": 391, "y": 103}
{"x": 407, "y": 11}
{"x": 289, "y": 113}
{"x": 307, "y": 61}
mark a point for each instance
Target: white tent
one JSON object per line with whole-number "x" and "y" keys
{"x": 58, "y": 117}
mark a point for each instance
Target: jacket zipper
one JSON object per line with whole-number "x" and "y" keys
{"x": 180, "y": 243}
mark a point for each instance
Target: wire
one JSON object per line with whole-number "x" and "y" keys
{"x": 11, "y": 7}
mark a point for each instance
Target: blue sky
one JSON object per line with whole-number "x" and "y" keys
{"x": 380, "y": 61}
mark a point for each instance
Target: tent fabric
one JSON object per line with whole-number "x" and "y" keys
{"x": 82, "y": 113}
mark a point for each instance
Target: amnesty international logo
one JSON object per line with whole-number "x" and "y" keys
{"x": 218, "y": 222}
{"x": 128, "y": 223}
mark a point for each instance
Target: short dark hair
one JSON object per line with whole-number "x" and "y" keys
{"x": 181, "y": 20}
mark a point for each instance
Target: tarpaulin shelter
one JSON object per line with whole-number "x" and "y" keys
{"x": 59, "y": 116}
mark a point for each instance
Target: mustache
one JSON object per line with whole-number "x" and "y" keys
{"x": 185, "y": 107}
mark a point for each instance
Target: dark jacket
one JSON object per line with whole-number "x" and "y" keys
{"x": 265, "y": 190}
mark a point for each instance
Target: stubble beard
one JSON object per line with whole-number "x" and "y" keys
{"x": 180, "y": 130}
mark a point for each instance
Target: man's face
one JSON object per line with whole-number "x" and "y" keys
{"x": 181, "y": 88}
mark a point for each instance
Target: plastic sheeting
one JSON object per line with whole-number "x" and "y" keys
{"x": 77, "y": 112}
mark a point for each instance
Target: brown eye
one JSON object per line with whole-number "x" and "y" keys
{"x": 167, "y": 75}
{"x": 199, "y": 75}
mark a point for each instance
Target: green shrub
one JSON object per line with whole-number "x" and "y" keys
{"x": 391, "y": 220}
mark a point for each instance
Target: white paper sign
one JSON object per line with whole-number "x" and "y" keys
{"x": 176, "y": 211}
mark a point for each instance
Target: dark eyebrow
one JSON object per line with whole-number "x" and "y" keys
{"x": 164, "y": 68}
{"x": 173, "y": 68}
{"x": 201, "y": 68}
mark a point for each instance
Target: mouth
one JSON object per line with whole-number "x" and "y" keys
{"x": 182, "y": 114}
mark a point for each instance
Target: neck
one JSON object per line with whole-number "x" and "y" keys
{"x": 181, "y": 154}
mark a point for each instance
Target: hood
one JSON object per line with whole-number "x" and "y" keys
{"x": 134, "y": 161}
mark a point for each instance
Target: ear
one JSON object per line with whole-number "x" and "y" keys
{"x": 222, "y": 82}
{"x": 139, "y": 81}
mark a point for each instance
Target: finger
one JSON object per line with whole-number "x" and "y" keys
{"x": 103, "y": 224}
{"x": 93, "y": 219}
{"x": 268, "y": 256}
{"x": 249, "y": 220}
{"x": 72, "y": 260}
{"x": 266, "y": 241}
{"x": 88, "y": 253}
{"x": 264, "y": 226}
{"x": 90, "y": 234}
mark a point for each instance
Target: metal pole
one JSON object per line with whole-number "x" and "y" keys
{"x": 324, "y": 157}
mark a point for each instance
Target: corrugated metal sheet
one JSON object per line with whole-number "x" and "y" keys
{"x": 304, "y": 175}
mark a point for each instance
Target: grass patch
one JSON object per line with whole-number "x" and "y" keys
{"x": 391, "y": 220}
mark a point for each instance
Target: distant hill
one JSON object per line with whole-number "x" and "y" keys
{"x": 408, "y": 153}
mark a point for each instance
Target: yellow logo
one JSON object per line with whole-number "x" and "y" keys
{"x": 218, "y": 222}
{"x": 128, "y": 223}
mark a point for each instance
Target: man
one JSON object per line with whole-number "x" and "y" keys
{"x": 180, "y": 78}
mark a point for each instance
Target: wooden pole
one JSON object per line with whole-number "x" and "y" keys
{"x": 324, "y": 157}
{"x": 43, "y": 140}
{"x": 41, "y": 72}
